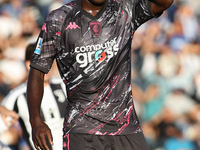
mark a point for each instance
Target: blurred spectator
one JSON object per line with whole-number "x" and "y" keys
{"x": 177, "y": 39}
{"x": 180, "y": 78}
{"x": 188, "y": 22}
{"x": 193, "y": 129}
{"x": 176, "y": 141}
{"x": 9, "y": 26}
{"x": 4, "y": 88}
{"x": 154, "y": 100}
{"x": 196, "y": 81}
{"x": 45, "y": 6}
{"x": 166, "y": 77}
{"x": 178, "y": 102}
{"x": 30, "y": 20}
{"x": 13, "y": 75}
{"x": 12, "y": 9}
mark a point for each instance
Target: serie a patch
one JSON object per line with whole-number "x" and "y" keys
{"x": 38, "y": 47}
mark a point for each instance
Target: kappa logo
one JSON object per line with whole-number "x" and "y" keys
{"x": 44, "y": 27}
{"x": 95, "y": 27}
{"x": 72, "y": 25}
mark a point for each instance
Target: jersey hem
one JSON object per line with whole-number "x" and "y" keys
{"x": 109, "y": 132}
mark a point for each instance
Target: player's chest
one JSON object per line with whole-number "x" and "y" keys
{"x": 91, "y": 42}
{"x": 83, "y": 30}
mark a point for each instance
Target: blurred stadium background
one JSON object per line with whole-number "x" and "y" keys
{"x": 165, "y": 66}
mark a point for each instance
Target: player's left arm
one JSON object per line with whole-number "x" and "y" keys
{"x": 158, "y": 6}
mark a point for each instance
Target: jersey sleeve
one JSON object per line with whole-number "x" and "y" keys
{"x": 45, "y": 50}
{"x": 142, "y": 13}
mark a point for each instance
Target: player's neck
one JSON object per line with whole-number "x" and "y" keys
{"x": 91, "y": 8}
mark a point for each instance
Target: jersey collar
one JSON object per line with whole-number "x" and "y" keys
{"x": 97, "y": 16}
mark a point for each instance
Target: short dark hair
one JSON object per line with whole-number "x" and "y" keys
{"x": 29, "y": 51}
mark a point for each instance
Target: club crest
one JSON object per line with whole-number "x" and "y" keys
{"x": 95, "y": 27}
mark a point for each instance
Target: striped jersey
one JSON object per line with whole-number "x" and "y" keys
{"x": 93, "y": 54}
{"x": 53, "y": 107}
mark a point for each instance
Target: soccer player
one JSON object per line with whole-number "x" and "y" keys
{"x": 91, "y": 42}
{"x": 53, "y": 105}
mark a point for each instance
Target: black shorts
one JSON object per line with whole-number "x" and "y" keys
{"x": 105, "y": 142}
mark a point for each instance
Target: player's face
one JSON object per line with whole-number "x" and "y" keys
{"x": 97, "y": 2}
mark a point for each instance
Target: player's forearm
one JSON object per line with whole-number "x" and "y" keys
{"x": 35, "y": 90}
{"x": 158, "y": 6}
{"x": 163, "y": 3}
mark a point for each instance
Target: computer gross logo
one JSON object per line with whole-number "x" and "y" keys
{"x": 99, "y": 52}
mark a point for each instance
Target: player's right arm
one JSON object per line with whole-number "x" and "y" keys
{"x": 35, "y": 90}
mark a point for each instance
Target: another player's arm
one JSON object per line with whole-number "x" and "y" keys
{"x": 158, "y": 6}
{"x": 8, "y": 113}
{"x": 35, "y": 90}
